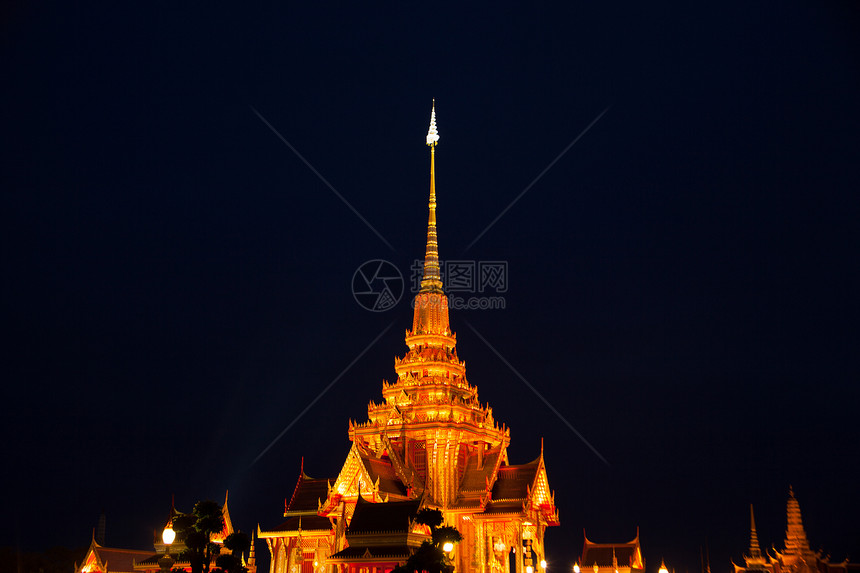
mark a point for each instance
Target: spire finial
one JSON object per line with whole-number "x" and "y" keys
{"x": 432, "y": 134}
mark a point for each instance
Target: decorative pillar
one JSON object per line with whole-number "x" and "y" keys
{"x": 518, "y": 548}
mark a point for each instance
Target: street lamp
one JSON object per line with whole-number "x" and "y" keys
{"x": 576, "y": 567}
{"x": 447, "y": 547}
{"x": 167, "y": 536}
{"x": 543, "y": 564}
{"x": 663, "y": 568}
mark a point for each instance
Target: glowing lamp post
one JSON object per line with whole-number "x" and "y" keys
{"x": 167, "y": 536}
{"x": 576, "y": 568}
{"x": 543, "y": 564}
{"x": 447, "y": 547}
{"x": 663, "y": 568}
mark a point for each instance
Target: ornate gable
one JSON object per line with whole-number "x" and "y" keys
{"x": 540, "y": 497}
{"x": 354, "y": 480}
{"x": 92, "y": 563}
{"x": 101, "y": 559}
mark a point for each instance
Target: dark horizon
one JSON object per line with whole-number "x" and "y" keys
{"x": 682, "y": 280}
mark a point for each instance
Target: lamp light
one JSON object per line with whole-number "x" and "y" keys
{"x": 168, "y": 535}
{"x": 448, "y": 547}
{"x": 576, "y": 567}
{"x": 543, "y": 564}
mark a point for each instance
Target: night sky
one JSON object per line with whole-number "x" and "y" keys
{"x": 682, "y": 282}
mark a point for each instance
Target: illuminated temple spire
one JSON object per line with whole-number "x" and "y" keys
{"x": 796, "y": 542}
{"x": 432, "y": 279}
{"x": 431, "y": 304}
{"x": 755, "y": 548}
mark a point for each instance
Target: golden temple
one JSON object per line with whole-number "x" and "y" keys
{"x": 430, "y": 443}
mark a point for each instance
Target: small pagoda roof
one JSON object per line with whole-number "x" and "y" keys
{"x": 305, "y": 523}
{"x": 370, "y": 553}
{"x": 625, "y": 554}
{"x": 307, "y": 496}
{"x": 113, "y": 559}
{"x": 390, "y": 517}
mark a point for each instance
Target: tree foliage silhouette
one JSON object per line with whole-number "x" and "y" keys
{"x": 196, "y": 529}
{"x": 430, "y": 557}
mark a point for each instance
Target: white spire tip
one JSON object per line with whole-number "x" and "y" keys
{"x": 432, "y": 134}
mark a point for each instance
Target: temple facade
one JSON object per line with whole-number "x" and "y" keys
{"x": 429, "y": 442}
{"x": 797, "y": 557}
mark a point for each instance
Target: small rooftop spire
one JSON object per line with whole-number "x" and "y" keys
{"x": 755, "y": 548}
{"x": 796, "y": 542}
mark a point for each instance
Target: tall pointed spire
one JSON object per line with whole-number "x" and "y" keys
{"x": 755, "y": 548}
{"x": 796, "y": 542}
{"x": 431, "y": 304}
{"x": 432, "y": 279}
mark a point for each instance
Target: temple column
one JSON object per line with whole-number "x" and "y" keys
{"x": 518, "y": 559}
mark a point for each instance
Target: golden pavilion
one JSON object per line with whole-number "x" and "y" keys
{"x": 430, "y": 443}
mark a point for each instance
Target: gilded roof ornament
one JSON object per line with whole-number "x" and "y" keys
{"x": 432, "y": 134}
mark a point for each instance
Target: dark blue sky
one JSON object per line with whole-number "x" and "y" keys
{"x": 682, "y": 282}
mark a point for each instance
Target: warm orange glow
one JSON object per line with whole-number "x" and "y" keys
{"x": 168, "y": 535}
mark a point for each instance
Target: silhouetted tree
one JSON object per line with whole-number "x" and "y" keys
{"x": 430, "y": 557}
{"x": 195, "y": 529}
{"x": 238, "y": 543}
